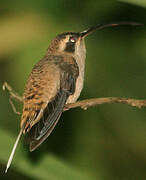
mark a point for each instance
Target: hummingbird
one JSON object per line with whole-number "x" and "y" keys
{"x": 56, "y": 80}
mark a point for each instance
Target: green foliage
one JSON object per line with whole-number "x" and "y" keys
{"x": 105, "y": 142}
{"x": 136, "y": 2}
{"x": 48, "y": 167}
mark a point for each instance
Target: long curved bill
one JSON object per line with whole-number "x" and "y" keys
{"x": 102, "y": 26}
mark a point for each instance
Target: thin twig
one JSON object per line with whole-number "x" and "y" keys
{"x": 11, "y": 92}
{"x": 13, "y": 95}
{"x": 85, "y": 104}
{"x": 13, "y": 106}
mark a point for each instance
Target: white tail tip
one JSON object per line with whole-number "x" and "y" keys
{"x": 13, "y": 151}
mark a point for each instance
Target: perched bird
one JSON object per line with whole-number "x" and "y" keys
{"x": 57, "y": 79}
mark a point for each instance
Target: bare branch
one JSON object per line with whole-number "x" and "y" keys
{"x": 11, "y": 92}
{"x": 84, "y": 104}
{"x": 13, "y": 106}
{"x": 13, "y": 95}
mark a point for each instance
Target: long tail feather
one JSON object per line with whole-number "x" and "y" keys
{"x": 13, "y": 150}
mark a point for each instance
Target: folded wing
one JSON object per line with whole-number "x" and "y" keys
{"x": 44, "y": 102}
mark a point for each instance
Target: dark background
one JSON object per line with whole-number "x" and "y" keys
{"x": 104, "y": 142}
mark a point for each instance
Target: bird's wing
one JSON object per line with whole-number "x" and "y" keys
{"x": 42, "y": 86}
{"x": 42, "y": 129}
{"x": 46, "y": 93}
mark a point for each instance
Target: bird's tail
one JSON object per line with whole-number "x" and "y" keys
{"x": 13, "y": 150}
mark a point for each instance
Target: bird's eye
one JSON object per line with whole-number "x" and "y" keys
{"x": 72, "y": 39}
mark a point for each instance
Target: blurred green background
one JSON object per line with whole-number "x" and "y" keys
{"x": 107, "y": 142}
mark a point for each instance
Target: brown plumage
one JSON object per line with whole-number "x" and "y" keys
{"x": 50, "y": 83}
{"x": 55, "y": 80}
